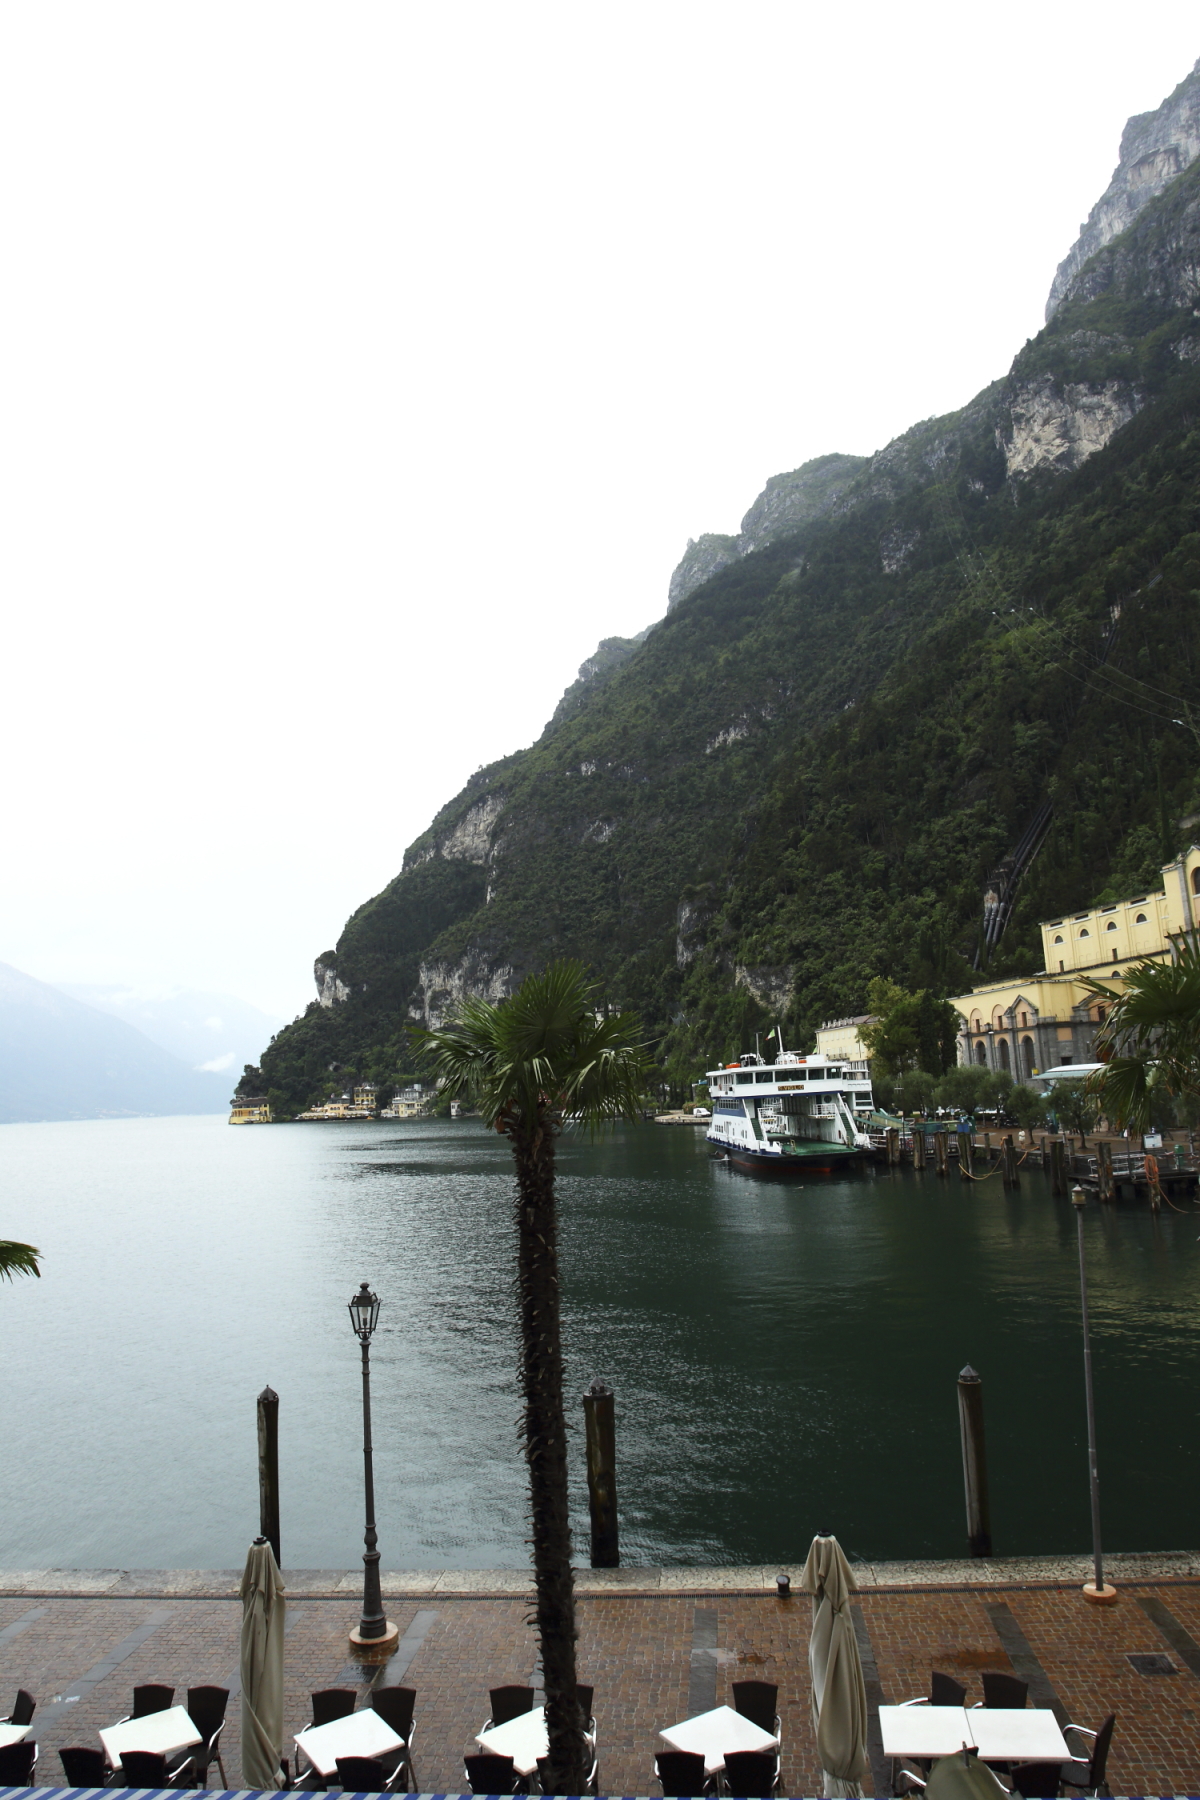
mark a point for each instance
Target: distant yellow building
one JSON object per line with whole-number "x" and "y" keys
{"x": 1047, "y": 1020}
{"x": 251, "y": 1109}
{"x": 840, "y": 1037}
{"x": 409, "y": 1103}
{"x": 360, "y": 1106}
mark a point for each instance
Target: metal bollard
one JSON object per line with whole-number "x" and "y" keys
{"x": 974, "y": 1455}
{"x": 599, "y": 1412}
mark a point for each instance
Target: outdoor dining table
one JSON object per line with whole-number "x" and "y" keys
{"x": 524, "y": 1738}
{"x": 361, "y": 1733}
{"x": 997, "y": 1733}
{"x": 717, "y": 1734}
{"x": 13, "y": 1734}
{"x": 162, "y": 1732}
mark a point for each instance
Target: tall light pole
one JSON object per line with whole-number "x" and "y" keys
{"x": 375, "y": 1637}
{"x": 1094, "y": 1590}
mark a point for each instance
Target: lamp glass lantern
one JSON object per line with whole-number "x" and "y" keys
{"x": 364, "y": 1313}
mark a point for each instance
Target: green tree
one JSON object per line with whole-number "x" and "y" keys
{"x": 18, "y": 1259}
{"x": 526, "y": 1063}
{"x": 1149, "y": 1042}
{"x": 909, "y": 1030}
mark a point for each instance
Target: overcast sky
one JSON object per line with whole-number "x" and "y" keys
{"x": 364, "y": 365}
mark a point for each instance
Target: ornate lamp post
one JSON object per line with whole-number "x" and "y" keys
{"x": 375, "y": 1637}
{"x": 1094, "y": 1590}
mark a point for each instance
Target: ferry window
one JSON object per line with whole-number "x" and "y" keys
{"x": 745, "y": 1080}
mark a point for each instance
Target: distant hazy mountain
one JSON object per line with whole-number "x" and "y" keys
{"x": 62, "y": 1060}
{"x": 212, "y": 1032}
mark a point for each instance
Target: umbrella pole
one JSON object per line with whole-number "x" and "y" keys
{"x": 1093, "y": 1590}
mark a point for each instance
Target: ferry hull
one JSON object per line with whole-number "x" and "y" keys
{"x": 821, "y": 1159}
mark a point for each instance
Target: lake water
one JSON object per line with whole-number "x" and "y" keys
{"x": 784, "y": 1356}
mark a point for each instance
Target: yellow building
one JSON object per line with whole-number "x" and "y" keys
{"x": 839, "y": 1037}
{"x": 1047, "y": 1020}
{"x": 251, "y": 1109}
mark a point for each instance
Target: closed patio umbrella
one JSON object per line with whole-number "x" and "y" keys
{"x": 839, "y": 1694}
{"x": 963, "y": 1777}
{"x": 263, "y": 1606}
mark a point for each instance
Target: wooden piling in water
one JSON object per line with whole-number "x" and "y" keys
{"x": 966, "y": 1147}
{"x": 974, "y": 1455}
{"x": 1008, "y": 1163}
{"x": 918, "y": 1144}
{"x": 1058, "y": 1169}
{"x": 893, "y": 1144}
{"x": 268, "y": 1469}
{"x": 942, "y": 1153}
{"x": 1104, "y": 1170}
{"x": 599, "y": 1412}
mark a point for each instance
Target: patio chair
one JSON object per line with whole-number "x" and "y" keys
{"x": 151, "y": 1697}
{"x": 148, "y": 1769}
{"x": 206, "y": 1709}
{"x": 751, "y": 1774}
{"x": 1036, "y": 1780}
{"x": 84, "y": 1767}
{"x": 1003, "y": 1690}
{"x": 1089, "y": 1775}
{"x": 17, "y": 1763}
{"x": 395, "y": 1706}
{"x": 508, "y": 1703}
{"x": 365, "y": 1775}
{"x": 493, "y": 1775}
{"x": 24, "y": 1707}
{"x": 682, "y": 1772}
{"x": 758, "y": 1701}
{"x": 332, "y": 1703}
{"x": 945, "y": 1691}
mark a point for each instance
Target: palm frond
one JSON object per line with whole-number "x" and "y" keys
{"x": 18, "y": 1259}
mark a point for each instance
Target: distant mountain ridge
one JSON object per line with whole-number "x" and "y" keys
{"x": 802, "y": 776}
{"x": 214, "y": 1033}
{"x": 60, "y": 1059}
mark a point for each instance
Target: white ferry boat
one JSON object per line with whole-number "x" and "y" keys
{"x": 799, "y": 1112}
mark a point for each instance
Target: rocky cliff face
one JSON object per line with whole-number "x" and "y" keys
{"x": 1155, "y": 148}
{"x": 787, "y": 503}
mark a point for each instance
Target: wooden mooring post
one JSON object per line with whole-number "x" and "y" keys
{"x": 966, "y": 1155}
{"x": 918, "y": 1144}
{"x": 941, "y": 1151}
{"x": 893, "y": 1144}
{"x": 599, "y": 1412}
{"x": 268, "y": 1469}
{"x": 974, "y": 1455}
{"x": 1058, "y": 1169}
{"x": 1104, "y": 1170}
{"x": 1008, "y": 1163}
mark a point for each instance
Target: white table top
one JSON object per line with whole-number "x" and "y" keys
{"x": 13, "y": 1734}
{"x": 715, "y": 1735}
{"x": 1029, "y": 1733}
{"x": 524, "y": 1739}
{"x": 161, "y": 1731}
{"x": 925, "y": 1730}
{"x": 361, "y": 1733}
{"x": 999, "y": 1733}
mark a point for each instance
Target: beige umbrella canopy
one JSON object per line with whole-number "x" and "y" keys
{"x": 263, "y": 1607}
{"x": 839, "y": 1694}
{"x": 963, "y": 1777}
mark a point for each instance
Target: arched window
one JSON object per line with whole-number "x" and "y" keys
{"x": 1002, "y": 1045}
{"x": 1026, "y": 1058}
{"x": 1196, "y": 879}
{"x": 981, "y": 1054}
{"x": 1141, "y": 919}
{"x": 1058, "y": 939}
{"x": 1085, "y": 932}
{"x": 1111, "y": 926}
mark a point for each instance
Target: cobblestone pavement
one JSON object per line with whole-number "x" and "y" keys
{"x": 650, "y": 1657}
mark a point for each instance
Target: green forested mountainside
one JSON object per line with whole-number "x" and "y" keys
{"x": 802, "y": 776}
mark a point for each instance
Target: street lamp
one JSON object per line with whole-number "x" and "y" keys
{"x": 1093, "y": 1590}
{"x": 376, "y": 1637}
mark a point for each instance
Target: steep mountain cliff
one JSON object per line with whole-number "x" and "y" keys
{"x": 804, "y": 774}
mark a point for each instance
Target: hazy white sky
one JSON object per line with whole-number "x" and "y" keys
{"x": 363, "y": 365}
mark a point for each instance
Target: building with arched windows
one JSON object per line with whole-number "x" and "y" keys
{"x": 1046, "y": 1020}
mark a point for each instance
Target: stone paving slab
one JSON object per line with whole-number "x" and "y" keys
{"x": 649, "y": 1655}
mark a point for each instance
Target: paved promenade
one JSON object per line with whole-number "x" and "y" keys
{"x": 658, "y": 1645}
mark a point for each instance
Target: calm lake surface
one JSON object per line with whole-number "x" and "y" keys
{"x": 784, "y": 1356}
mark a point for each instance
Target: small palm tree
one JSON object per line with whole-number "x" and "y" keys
{"x": 526, "y": 1063}
{"x": 18, "y": 1259}
{"x": 1150, "y": 1040}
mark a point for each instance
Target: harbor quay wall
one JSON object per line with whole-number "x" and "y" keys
{"x": 659, "y": 1645}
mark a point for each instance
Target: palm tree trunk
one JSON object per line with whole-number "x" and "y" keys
{"x": 546, "y": 1450}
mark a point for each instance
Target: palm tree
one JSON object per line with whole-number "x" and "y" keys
{"x": 1150, "y": 1040}
{"x": 526, "y": 1063}
{"x": 18, "y": 1259}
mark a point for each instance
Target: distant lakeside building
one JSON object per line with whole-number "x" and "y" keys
{"x": 1049, "y": 1020}
{"x": 251, "y": 1109}
{"x": 409, "y": 1102}
{"x": 358, "y": 1105}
